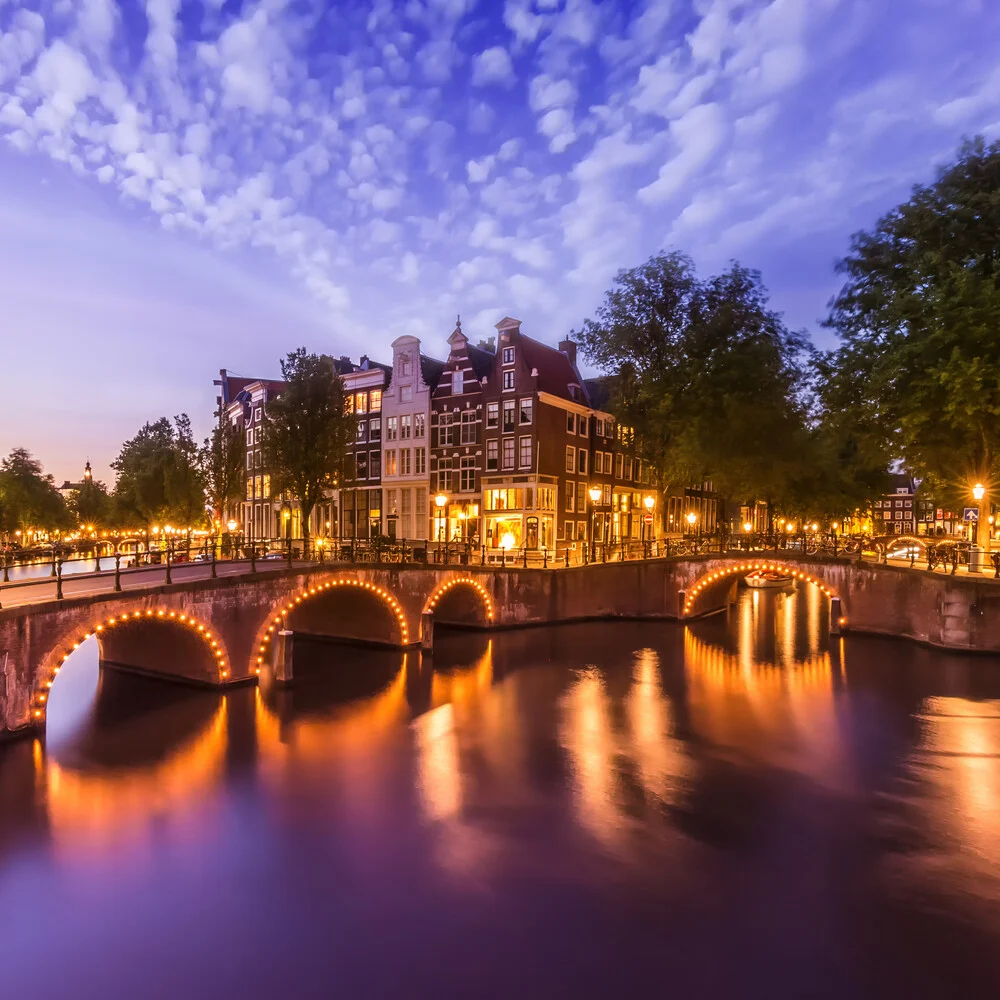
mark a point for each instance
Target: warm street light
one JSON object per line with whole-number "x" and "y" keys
{"x": 507, "y": 540}
{"x": 691, "y": 518}
{"x": 815, "y": 527}
{"x": 979, "y": 491}
{"x": 231, "y": 525}
{"x": 747, "y": 526}
{"x": 649, "y": 502}
{"x": 440, "y": 500}
{"x": 595, "y": 494}
{"x": 790, "y": 526}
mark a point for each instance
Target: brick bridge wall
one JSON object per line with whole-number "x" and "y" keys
{"x": 226, "y": 631}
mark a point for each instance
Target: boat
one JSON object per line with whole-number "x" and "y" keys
{"x": 763, "y": 579}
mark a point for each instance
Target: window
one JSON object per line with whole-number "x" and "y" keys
{"x": 457, "y": 382}
{"x": 250, "y": 438}
{"x": 405, "y": 393}
{"x": 405, "y": 425}
{"x": 508, "y": 380}
{"x": 374, "y": 464}
{"x": 391, "y": 428}
{"x": 444, "y": 430}
{"x": 375, "y": 429}
{"x": 524, "y": 455}
{"x": 581, "y": 497}
{"x": 606, "y": 495}
{"x": 570, "y": 423}
{"x": 444, "y": 475}
{"x": 492, "y": 414}
{"x": 420, "y": 461}
{"x": 571, "y": 497}
{"x": 404, "y": 461}
{"x": 546, "y": 498}
{"x": 469, "y": 427}
{"x": 390, "y": 462}
{"x": 421, "y": 504}
{"x": 581, "y": 425}
{"x": 899, "y": 503}
{"x": 249, "y": 459}
{"x": 349, "y": 403}
{"x": 508, "y": 453}
{"x": 267, "y": 486}
{"x": 390, "y": 501}
{"x": 362, "y": 460}
{"x": 419, "y": 425}
{"x": 362, "y": 429}
{"x": 618, "y": 466}
{"x": 257, "y": 457}
{"x": 492, "y": 451}
{"x": 525, "y": 416}
{"x": 256, "y": 415}
{"x": 467, "y": 475}
{"x": 508, "y": 416}
{"x": 628, "y": 469}
{"x": 508, "y": 355}
{"x": 570, "y": 527}
{"x": 582, "y": 457}
{"x": 375, "y": 401}
{"x": 570, "y": 458}
{"x": 361, "y": 402}
{"x": 581, "y": 530}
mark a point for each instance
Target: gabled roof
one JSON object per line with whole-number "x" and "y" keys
{"x": 482, "y": 361}
{"x": 555, "y": 372}
{"x": 430, "y": 370}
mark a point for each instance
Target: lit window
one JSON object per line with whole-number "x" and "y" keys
{"x": 375, "y": 401}
{"x": 361, "y": 402}
{"x": 390, "y": 462}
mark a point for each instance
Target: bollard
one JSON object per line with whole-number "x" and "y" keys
{"x": 215, "y": 573}
{"x": 6, "y": 567}
{"x": 525, "y": 557}
{"x": 545, "y": 558}
{"x": 566, "y": 551}
{"x": 118, "y": 573}
{"x": 53, "y": 572}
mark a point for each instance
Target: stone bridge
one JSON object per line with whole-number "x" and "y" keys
{"x": 233, "y": 630}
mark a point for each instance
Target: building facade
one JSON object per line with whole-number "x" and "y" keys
{"x": 406, "y": 424}
{"x": 456, "y": 456}
{"x": 360, "y": 497}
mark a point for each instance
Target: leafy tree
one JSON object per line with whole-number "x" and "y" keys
{"x": 222, "y": 461}
{"x": 29, "y": 500}
{"x": 158, "y": 475}
{"x": 305, "y": 431}
{"x": 91, "y": 504}
{"x": 707, "y": 375}
{"x": 918, "y": 368}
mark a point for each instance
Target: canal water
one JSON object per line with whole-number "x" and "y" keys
{"x": 740, "y": 807}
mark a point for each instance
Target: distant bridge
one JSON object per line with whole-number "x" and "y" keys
{"x": 238, "y": 628}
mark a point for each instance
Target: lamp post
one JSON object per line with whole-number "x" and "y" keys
{"x": 649, "y": 502}
{"x": 692, "y": 517}
{"x": 439, "y": 502}
{"x": 981, "y": 542}
{"x": 595, "y": 497}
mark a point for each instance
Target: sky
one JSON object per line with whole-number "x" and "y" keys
{"x": 187, "y": 185}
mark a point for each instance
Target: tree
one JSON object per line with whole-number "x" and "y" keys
{"x": 222, "y": 461}
{"x": 29, "y": 500}
{"x": 91, "y": 504}
{"x": 305, "y": 431}
{"x": 158, "y": 475}
{"x": 918, "y": 368}
{"x": 707, "y": 375}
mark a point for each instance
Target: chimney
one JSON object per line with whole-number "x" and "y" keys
{"x": 345, "y": 360}
{"x": 568, "y": 347}
{"x": 364, "y": 361}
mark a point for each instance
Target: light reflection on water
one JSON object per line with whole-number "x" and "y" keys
{"x": 502, "y": 811}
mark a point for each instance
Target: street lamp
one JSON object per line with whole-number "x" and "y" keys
{"x": 692, "y": 517}
{"x": 747, "y": 527}
{"x": 595, "y": 496}
{"x": 439, "y": 502}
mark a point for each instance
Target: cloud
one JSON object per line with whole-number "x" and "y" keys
{"x": 697, "y": 136}
{"x": 493, "y": 66}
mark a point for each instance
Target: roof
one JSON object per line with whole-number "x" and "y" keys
{"x": 599, "y": 390}
{"x": 555, "y": 371}
{"x": 430, "y": 370}
{"x": 900, "y": 480}
{"x": 482, "y": 361}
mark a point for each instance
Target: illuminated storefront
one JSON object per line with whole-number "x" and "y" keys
{"x": 521, "y": 516}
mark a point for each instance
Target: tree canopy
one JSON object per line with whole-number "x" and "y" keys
{"x": 222, "y": 462}
{"x": 918, "y": 369}
{"x": 29, "y": 500}
{"x": 306, "y": 432}
{"x": 159, "y": 479}
{"x": 707, "y": 374}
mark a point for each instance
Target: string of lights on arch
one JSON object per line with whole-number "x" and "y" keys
{"x": 114, "y": 621}
{"x": 320, "y": 588}
{"x": 747, "y": 567}
{"x": 448, "y": 584}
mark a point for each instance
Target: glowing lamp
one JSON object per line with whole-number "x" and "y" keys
{"x": 440, "y": 500}
{"x": 649, "y": 502}
{"x": 231, "y": 524}
{"x": 595, "y": 494}
{"x": 747, "y": 526}
{"x": 692, "y": 517}
{"x": 507, "y": 540}
{"x": 979, "y": 491}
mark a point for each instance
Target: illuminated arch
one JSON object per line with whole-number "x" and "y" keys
{"x": 432, "y": 601}
{"x": 749, "y": 566}
{"x": 55, "y": 660}
{"x": 277, "y": 616}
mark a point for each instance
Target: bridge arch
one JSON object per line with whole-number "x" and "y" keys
{"x": 278, "y": 618}
{"x": 443, "y": 589}
{"x": 128, "y": 630}
{"x": 713, "y": 577}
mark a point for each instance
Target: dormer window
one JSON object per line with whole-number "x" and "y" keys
{"x": 508, "y": 355}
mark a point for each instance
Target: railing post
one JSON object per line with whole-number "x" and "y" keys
{"x": 215, "y": 572}
{"x": 118, "y": 572}
{"x": 288, "y": 550}
{"x": 545, "y": 558}
{"x": 169, "y": 579}
{"x": 503, "y": 558}
{"x": 526, "y": 557}
{"x": 253, "y": 557}
{"x": 53, "y": 572}
{"x": 59, "y": 590}
{"x": 566, "y": 551}
{"x": 6, "y": 567}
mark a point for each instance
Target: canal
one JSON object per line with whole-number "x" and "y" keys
{"x": 737, "y": 807}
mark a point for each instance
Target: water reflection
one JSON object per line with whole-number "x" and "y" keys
{"x": 503, "y": 810}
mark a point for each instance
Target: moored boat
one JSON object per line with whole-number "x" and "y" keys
{"x": 763, "y": 579}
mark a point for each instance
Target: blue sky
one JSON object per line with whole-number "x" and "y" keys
{"x": 189, "y": 185}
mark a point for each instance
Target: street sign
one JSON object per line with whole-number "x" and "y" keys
{"x": 648, "y": 518}
{"x": 971, "y": 514}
